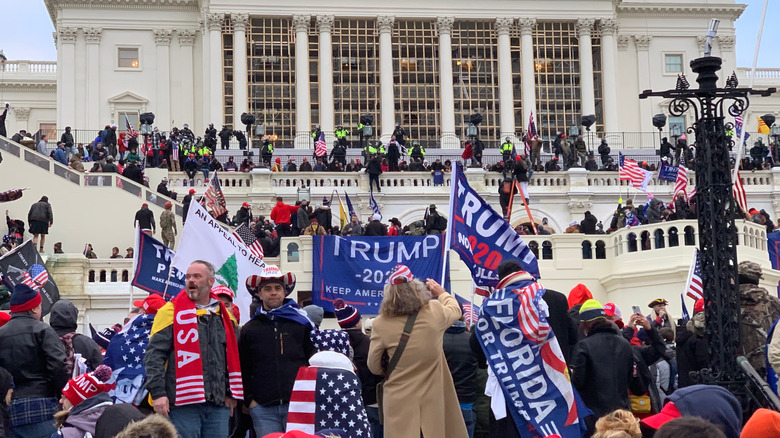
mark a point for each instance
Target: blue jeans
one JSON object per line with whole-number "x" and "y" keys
{"x": 44, "y": 429}
{"x": 201, "y": 420}
{"x": 269, "y": 419}
{"x": 377, "y": 430}
{"x": 469, "y": 417}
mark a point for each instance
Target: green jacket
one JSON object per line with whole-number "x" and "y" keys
{"x": 341, "y": 133}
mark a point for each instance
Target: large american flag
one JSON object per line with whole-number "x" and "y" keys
{"x": 739, "y": 193}
{"x": 320, "y": 148}
{"x": 530, "y": 134}
{"x": 533, "y": 326}
{"x": 36, "y": 277}
{"x": 245, "y": 235}
{"x": 681, "y": 185}
{"x": 215, "y": 199}
{"x": 327, "y": 398}
{"x": 470, "y": 310}
{"x": 631, "y": 171}
{"x": 695, "y": 287}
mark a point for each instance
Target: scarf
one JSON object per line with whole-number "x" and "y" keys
{"x": 189, "y": 367}
{"x": 289, "y": 310}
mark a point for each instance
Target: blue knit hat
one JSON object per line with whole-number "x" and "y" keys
{"x": 24, "y": 298}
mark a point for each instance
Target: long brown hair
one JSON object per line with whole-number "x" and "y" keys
{"x": 404, "y": 299}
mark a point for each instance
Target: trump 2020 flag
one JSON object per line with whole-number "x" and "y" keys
{"x": 153, "y": 272}
{"x": 203, "y": 238}
{"x": 480, "y": 236}
{"x": 526, "y": 361}
{"x": 24, "y": 265}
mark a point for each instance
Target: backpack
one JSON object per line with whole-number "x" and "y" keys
{"x": 70, "y": 353}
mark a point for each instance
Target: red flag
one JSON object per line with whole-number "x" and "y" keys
{"x": 739, "y": 193}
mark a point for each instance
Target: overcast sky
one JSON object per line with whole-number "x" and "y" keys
{"x": 26, "y": 32}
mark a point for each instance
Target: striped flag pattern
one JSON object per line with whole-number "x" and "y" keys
{"x": 533, "y": 326}
{"x": 470, "y": 310}
{"x": 35, "y": 277}
{"x": 695, "y": 286}
{"x": 320, "y": 148}
{"x": 245, "y": 236}
{"x": 215, "y": 199}
{"x": 681, "y": 185}
{"x": 530, "y": 134}
{"x": 738, "y": 125}
{"x": 630, "y": 171}
{"x": 739, "y": 193}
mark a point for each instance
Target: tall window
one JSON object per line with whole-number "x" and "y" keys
{"x": 597, "y": 81}
{"x": 227, "y": 74}
{"x": 517, "y": 89}
{"x": 475, "y": 76}
{"x": 271, "y": 66}
{"x": 416, "y": 80}
{"x": 128, "y": 118}
{"x": 355, "y": 71}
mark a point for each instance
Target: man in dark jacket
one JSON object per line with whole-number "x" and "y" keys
{"x": 110, "y": 140}
{"x": 375, "y": 227}
{"x": 275, "y": 342}
{"x": 67, "y": 140}
{"x": 134, "y": 173}
{"x": 692, "y": 353}
{"x": 393, "y": 155}
{"x": 224, "y": 137}
{"x": 463, "y": 366}
{"x": 244, "y": 214}
{"x": 435, "y": 223}
{"x": 588, "y": 225}
{"x": 563, "y": 325}
{"x": 374, "y": 169}
{"x": 62, "y": 318}
{"x": 34, "y": 355}
{"x": 145, "y": 219}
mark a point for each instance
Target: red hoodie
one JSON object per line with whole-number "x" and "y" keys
{"x": 280, "y": 214}
{"x": 579, "y": 295}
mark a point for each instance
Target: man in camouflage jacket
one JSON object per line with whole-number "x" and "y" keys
{"x": 759, "y": 310}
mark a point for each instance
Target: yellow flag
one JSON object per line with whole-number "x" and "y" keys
{"x": 762, "y": 128}
{"x": 342, "y": 214}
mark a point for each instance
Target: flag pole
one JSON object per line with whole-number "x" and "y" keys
{"x": 751, "y": 81}
{"x": 447, "y": 238}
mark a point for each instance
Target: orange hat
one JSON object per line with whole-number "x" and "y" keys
{"x": 763, "y": 423}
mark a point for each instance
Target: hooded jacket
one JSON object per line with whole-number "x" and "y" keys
{"x": 155, "y": 426}
{"x": 83, "y": 417}
{"x": 462, "y": 362}
{"x": 578, "y": 295}
{"x": 63, "y": 319}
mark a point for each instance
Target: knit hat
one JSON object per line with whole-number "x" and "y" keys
{"x": 400, "y": 274}
{"x": 698, "y": 306}
{"x": 88, "y": 385}
{"x": 376, "y": 217}
{"x": 331, "y": 340}
{"x": 347, "y": 315}
{"x": 102, "y": 337}
{"x": 151, "y": 304}
{"x": 278, "y": 160}
{"x": 763, "y": 423}
{"x": 24, "y": 298}
{"x": 591, "y": 310}
{"x": 315, "y": 313}
{"x": 325, "y": 201}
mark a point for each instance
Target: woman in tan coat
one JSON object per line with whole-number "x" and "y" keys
{"x": 419, "y": 396}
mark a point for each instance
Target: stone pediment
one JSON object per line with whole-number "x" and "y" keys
{"x": 128, "y": 98}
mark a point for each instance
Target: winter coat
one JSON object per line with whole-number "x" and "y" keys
{"x": 375, "y": 228}
{"x": 420, "y": 394}
{"x": 134, "y": 173}
{"x": 588, "y": 225}
{"x": 653, "y": 212}
{"x": 462, "y": 362}
{"x": 602, "y": 367}
{"x": 82, "y": 418}
{"x": 76, "y": 164}
{"x": 272, "y": 348}
{"x": 145, "y": 219}
{"x": 360, "y": 343}
{"x": 759, "y": 311}
{"x": 63, "y": 319}
{"x": 310, "y": 231}
{"x": 281, "y": 213}
{"x": 691, "y": 349}
{"x": 40, "y": 211}
{"x": 323, "y": 216}
{"x": 374, "y": 166}
{"x": 302, "y": 217}
{"x": 34, "y": 355}
{"x": 563, "y": 325}
{"x": 244, "y": 216}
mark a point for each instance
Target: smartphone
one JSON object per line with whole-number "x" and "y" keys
{"x": 636, "y": 309}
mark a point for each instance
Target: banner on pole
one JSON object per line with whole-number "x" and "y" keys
{"x": 152, "y": 267}
{"x": 356, "y": 268}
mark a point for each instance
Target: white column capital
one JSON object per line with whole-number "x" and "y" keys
{"x": 444, "y": 25}
{"x": 585, "y": 26}
{"x": 301, "y": 23}
{"x": 163, "y": 37}
{"x": 92, "y": 35}
{"x": 622, "y": 42}
{"x": 385, "y": 23}
{"x": 726, "y": 42}
{"x": 214, "y": 21}
{"x": 21, "y": 113}
{"x": 239, "y": 22}
{"x": 504, "y": 25}
{"x": 609, "y": 26}
{"x": 186, "y": 36}
{"x": 642, "y": 41}
{"x": 325, "y": 23}
{"x": 67, "y": 34}
{"x": 526, "y": 25}
{"x": 54, "y": 37}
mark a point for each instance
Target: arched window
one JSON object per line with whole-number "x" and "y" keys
{"x": 534, "y": 247}
{"x": 547, "y": 250}
{"x": 292, "y": 252}
{"x": 646, "y": 241}
{"x": 674, "y": 238}
{"x": 690, "y": 239}
{"x": 587, "y": 250}
{"x": 659, "y": 238}
{"x": 601, "y": 250}
{"x": 631, "y": 242}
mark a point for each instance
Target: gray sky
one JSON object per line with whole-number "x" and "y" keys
{"x": 26, "y": 32}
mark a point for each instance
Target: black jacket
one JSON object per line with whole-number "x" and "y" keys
{"x": 244, "y": 216}
{"x": 462, "y": 363}
{"x": 602, "y": 368}
{"x": 375, "y": 228}
{"x": 691, "y": 352}
{"x": 224, "y": 135}
{"x": 374, "y": 166}
{"x": 67, "y": 138}
{"x": 563, "y": 325}
{"x": 360, "y": 343}
{"x": 34, "y": 355}
{"x": 145, "y": 218}
{"x": 588, "y": 225}
{"x": 134, "y": 173}
{"x": 323, "y": 216}
{"x": 271, "y": 353}
{"x": 62, "y": 318}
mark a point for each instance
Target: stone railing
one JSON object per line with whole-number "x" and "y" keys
{"x": 23, "y": 66}
{"x": 761, "y": 73}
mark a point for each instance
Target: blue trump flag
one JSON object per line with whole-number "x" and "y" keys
{"x": 667, "y": 172}
{"x": 526, "y": 361}
{"x": 356, "y": 268}
{"x": 153, "y": 261}
{"x": 480, "y": 236}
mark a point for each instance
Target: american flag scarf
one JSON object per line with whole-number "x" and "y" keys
{"x": 189, "y": 366}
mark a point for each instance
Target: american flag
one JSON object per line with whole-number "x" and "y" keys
{"x": 630, "y": 171}
{"x": 327, "y": 398}
{"x": 530, "y": 134}
{"x": 320, "y": 148}
{"x": 125, "y": 355}
{"x": 130, "y": 130}
{"x": 739, "y": 193}
{"x": 531, "y": 323}
{"x": 470, "y": 310}
{"x": 215, "y": 199}
{"x": 695, "y": 288}
{"x": 36, "y": 277}
{"x": 374, "y": 205}
{"x": 245, "y": 236}
{"x": 681, "y": 185}
{"x": 738, "y": 125}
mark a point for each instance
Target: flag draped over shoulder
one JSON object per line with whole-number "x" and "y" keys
{"x": 526, "y": 360}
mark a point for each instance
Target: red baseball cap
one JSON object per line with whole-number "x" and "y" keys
{"x": 151, "y": 304}
{"x": 667, "y": 414}
{"x": 245, "y": 204}
{"x": 192, "y": 191}
{"x": 698, "y": 306}
{"x": 222, "y": 290}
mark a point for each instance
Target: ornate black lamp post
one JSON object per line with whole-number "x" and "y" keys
{"x": 716, "y": 209}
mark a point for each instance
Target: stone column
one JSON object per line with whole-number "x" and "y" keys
{"x": 385, "y": 23}
{"x": 609, "y": 28}
{"x": 240, "y": 73}
{"x": 92, "y": 37}
{"x": 446, "y": 93}
{"x": 643, "y": 67}
{"x": 183, "y": 106}
{"x": 527, "y": 26}
{"x": 587, "y": 90}
{"x": 506, "y": 96}
{"x": 67, "y": 41}
{"x": 215, "y": 100}
{"x": 327, "y": 117}
{"x": 162, "y": 98}
{"x": 81, "y": 103}
{"x": 302, "y": 96}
